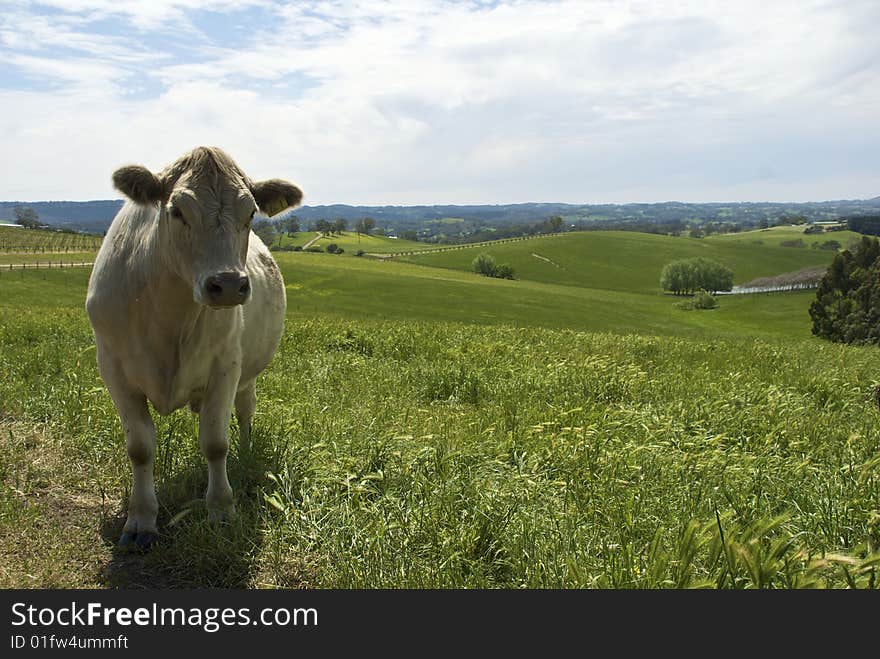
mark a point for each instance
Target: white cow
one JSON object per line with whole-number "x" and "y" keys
{"x": 187, "y": 306}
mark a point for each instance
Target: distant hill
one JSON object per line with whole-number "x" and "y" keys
{"x": 95, "y": 216}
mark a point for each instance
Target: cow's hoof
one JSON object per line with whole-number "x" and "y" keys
{"x": 138, "y": 541}
{"x": 221, "y": 516}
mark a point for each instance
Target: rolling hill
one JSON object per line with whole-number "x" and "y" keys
{"x": 629, "y": 261}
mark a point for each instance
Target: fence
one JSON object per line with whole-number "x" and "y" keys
{"x": 742, "y": 290}
{"x": 36, "y": 265}
{"x": 452, "y": 248}
{"x": 48, "y": 249}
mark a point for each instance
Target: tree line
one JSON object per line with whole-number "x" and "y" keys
{"x": 868, "y": 225}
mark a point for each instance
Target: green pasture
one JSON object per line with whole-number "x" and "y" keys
{"x": 402, "y": 454}
{"x": 393, "y": 290}
{"x": 624, "y": 260}
{"x": 424, "y": 427}
{"x": 351, "y": 242}
{"x": 775, "y": 236}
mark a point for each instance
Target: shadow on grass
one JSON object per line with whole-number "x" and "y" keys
{"x": 194, "y": 552}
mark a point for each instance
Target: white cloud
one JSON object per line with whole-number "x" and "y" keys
{"x": 426, "y": 102}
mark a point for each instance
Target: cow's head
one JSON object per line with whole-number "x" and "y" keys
{"x": 206, "y": 206}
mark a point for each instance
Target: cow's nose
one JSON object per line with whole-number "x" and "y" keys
{"x": 226, "y": 289}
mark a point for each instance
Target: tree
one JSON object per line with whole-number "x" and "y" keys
{"x": 847, "y": 304}
{"x": 365, "y": 225}
{"x": 484, "y": 264}
{"x": 324, "y": 227}
{"x": 266, "y": 231}
{"x": 690, "y": 275}
{"x": 340, "y": 225}
{"x": 409, "y": 234}
{"x": 554, "y": 223}
{"x": 26, "y": 217}
{"x": 290, "y": 225}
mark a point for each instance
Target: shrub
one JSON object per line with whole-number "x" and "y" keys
{"x": 297, "y": 248}
{"x": 360, "y": 252}
{"x": 314, "y": 248}
{"x": 504, "y": 271}
{"x": 704, "y": 300}
{"x": 332, "y": 248}
{"x": 484, "y": 265}
{"x": 700, "y": 300}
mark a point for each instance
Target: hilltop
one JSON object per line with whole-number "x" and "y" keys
{"x": 461, "y": 220}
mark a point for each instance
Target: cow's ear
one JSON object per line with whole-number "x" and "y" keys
{"x": 274, "y": 195}
{"x": 139, "y": 184}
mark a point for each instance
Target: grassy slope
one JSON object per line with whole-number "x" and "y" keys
{"x": 351, "y": 242}
{"x": 776, "y": 235}
{"x": 358, "y": 289}
{"x": 619, "y": 260}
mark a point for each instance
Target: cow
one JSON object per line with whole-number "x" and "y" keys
{"x": 187, "y": 307}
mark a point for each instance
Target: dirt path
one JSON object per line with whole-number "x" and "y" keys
{"x": 313, "y": 240}
{"x": 544, "y": 258}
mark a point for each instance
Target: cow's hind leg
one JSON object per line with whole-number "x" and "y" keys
{"x": 140, "y": 441}
{"x": 245, "y": 405}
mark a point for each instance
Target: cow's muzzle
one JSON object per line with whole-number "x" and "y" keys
{"x": 227, "y": 289}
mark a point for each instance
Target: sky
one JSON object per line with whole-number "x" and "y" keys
{"x": 428, "y": 102}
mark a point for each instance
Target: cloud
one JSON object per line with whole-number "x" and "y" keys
{"x": 450, "y": 102}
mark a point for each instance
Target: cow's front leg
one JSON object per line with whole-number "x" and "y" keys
{"x": 214, "y": 416}
{"x": 140, "y": 442}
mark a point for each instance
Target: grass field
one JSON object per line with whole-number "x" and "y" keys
{"x": 775, "y": 236}
{"x": 620, "y": 260}
{"x": 351, "y": 242}
{"x": 425, "y": 427}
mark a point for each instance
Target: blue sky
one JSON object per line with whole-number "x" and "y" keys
{"x": 410, "y": 102}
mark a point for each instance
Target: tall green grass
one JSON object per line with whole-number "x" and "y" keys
{"x": 424, "y": 454}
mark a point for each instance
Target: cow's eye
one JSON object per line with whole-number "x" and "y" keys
{"x": 176, "y": 213}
